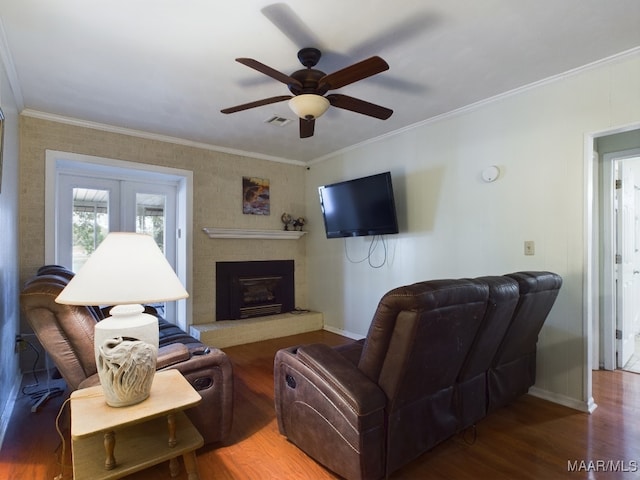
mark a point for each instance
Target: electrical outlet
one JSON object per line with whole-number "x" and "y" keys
{"x": 529, "y": 247}
{"x": 21, "y": 344}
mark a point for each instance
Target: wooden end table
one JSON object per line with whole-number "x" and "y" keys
{"x": 110, "y": 443}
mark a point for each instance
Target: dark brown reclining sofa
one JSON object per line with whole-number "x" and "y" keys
{"x": 66, "y": 333}
{"x": 439, "y": 355}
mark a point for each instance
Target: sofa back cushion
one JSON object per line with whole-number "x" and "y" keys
{"x": 503, "y": 298}
{"x": 426, "y": 314}
{"x": 513, "y": 369}
{"x": 538, "y": 292}
{"x": 417, "y": 342}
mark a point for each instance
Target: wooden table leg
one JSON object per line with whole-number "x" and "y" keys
{"x": 171, "y": 421}
{"x": 191, "y": 465}
{"x": 109, "y": 447}
{"x": 174, "y": 467}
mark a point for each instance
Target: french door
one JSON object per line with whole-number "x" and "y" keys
{"x": 91, "y": 207}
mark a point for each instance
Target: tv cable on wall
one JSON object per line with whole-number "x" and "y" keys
{"x": 375, "y": 241}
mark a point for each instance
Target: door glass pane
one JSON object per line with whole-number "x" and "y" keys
{"x": 150, "y": 210}
{"x": 90, "y": 222}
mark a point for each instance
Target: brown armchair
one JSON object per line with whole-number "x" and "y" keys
{"x": 66, "y": 333}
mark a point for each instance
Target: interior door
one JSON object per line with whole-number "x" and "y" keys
{"x": 626, "y": 296}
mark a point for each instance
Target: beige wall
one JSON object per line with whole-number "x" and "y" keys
{"x": 217, "y": 200}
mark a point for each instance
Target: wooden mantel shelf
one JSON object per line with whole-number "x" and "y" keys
{"x": 252, "y": 234}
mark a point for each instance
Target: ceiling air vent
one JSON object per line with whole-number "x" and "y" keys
{"x": 277, "y": 121}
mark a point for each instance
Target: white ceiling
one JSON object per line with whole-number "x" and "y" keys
{"x": 166, "y": 67}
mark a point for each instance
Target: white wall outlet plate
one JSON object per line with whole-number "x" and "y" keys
{"x": 529, "y": 247}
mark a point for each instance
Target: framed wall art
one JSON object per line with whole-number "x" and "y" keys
{"x": 255, "y": 196}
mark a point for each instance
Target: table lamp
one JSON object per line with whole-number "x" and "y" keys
{"x": 126, "y": 271}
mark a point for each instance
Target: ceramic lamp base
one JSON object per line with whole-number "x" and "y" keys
{"x": 126, "y": 369}
{"x": 126, "y": 350}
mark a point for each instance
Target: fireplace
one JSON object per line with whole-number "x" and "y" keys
{"x": 254, "y": 289}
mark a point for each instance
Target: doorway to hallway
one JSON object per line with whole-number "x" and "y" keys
{"x": 619, "y": 253}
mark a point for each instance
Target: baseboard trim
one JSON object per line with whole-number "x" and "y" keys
{"x": 344, "y": 333}
{"x": 587, "y": 406}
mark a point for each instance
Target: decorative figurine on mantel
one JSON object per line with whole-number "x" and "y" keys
{"x": 287, "y": 220}
{"x": 298, "y": 223}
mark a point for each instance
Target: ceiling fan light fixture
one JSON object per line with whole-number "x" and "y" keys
{"x": 309, "y": 106}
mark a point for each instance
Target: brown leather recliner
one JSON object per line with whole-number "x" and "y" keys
{"x": 438, "y": 356}
{"x": 66, "y": 332}
{"x": 368, "y": 419}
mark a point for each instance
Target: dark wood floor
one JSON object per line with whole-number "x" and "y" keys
{"x": 531, "y": 439}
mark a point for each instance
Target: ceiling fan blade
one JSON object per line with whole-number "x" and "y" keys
{"x": 359, "y": 106}
{"x": 291, "y": 25}
{"x": 257, "y": 103}
{"x": 262, "y": 68}
{"x": 307, "y": 127}
{"x": 355, "y": 72}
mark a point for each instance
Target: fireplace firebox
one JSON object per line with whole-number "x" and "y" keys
{"x": 254, "y": 289}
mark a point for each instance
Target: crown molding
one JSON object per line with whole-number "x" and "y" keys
{"x": 152, "y": 136}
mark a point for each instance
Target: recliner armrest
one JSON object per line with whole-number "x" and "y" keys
{"x": 172, "y": 354}
{"x": 357, "y": 389}
{"x": 91, "y": 381}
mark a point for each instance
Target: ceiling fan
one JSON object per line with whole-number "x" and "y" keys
{"x": 309, "y": 87}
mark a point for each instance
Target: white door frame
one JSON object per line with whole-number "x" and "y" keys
{"x": 56, "y": 161}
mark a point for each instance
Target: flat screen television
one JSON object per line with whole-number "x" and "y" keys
{"x": 359, "y": 207}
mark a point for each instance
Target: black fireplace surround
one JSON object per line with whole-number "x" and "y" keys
{"x": 254, "y": 289}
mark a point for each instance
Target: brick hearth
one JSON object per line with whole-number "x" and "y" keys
{"x": 227, "y": 333}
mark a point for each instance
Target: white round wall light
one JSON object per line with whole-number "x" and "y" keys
{"x": 490, "y": 174}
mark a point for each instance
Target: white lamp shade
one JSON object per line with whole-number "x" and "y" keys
{"x": 126, "y": 268}
{"x": 308, "y": 105}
